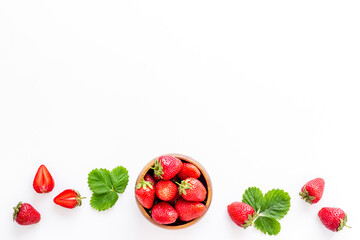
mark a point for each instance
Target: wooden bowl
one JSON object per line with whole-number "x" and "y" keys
{"x": 204, "y": 178}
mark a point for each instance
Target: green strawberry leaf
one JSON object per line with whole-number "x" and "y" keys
{"x": 104, "y": 201}
{"x": 106, "y": 185}
{"x": 120, "y": 178}
{"x": 99, "y": 181}
{"x": 267, "y": 225}
{"x": 253, "y": 196}
{"x": 275, "y": 204}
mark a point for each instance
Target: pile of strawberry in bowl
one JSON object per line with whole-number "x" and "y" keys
{"x": 173, "y": 191}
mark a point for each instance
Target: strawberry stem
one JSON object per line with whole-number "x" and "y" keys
{"x": 183, "y": 186}
{"x": 158, "y": 169}
{"x": 16, "y": 210}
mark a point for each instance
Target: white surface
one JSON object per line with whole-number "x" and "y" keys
{"x": 262, "y": 93}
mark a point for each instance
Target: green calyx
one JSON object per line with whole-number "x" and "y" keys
{"x": 183, "y": 186}
{"x": 17, "y": 210}
{"x": 144, "y": 184}
{"x": 158, "y": 169}
{"x": 250, "y": 220}
{"x": 305, "y": 195}
{"x": 78, "y": 198}
{"x": 343, "y": 223}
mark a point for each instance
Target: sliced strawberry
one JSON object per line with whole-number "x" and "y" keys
{"x": 43, "y": 181}
{"x": 69, "y": 198}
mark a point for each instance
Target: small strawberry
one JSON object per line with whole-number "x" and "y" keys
{"x": 149, "y": 178}
{"x": 241, "y": 213}
{"x": 164, "y": 213}
{"x": 145, "y": 192}
{"x": 166, "y": 167}
{"x": 189, "y": 210}
{"x": 69, "y": 198}
{"x": 313, "y": 190}
{"x": 333, "y": 218}
{"x": 191, "y": 189}
{"x": 156, "y": 178}
{"x": 189, "y": 170}
{"x": 43, "y": 181}
{"x": 25, "y": 214}
{"x": 166, "y": 190}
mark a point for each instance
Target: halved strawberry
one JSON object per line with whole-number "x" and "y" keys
{"x": 69, "y": 198}
{"x": 43, "y": 181}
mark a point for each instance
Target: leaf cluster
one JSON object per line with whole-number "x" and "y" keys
{"x": 269, "y": 208}
{"x": 106, "y": 185}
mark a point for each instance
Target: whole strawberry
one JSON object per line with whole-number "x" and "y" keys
{"x": 167, "y": 167}
{"x": 69, "y": 198}
{"x": 189, "y": 170}
{"x": 43, "y": 181}
{"x": 313, "y": 190}
{"x": 189, "y": 210}
{"x": 149, "y": 178}
{"x": 191, "y": 189}
{"x": 333, "y": 219}
{"x": 145, "y": 192}
{"x": 241, "y": 213}
{"x": 25, "y": 214}
{"x": 166, "y": 190}
{"x": 164, "y": 213}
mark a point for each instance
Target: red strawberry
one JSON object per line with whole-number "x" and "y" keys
{"x": 192, "y": 190}
{"x": 164, "y": 213}
{"x": 145, "y": 192}
{"x": 333, "y": 218}
{"x": 43, "y": 181}
{"x": 149, "y": 178}
{"x": 177, "y": 197}
{"x": 157, "y": 178}
{"x": 189, "y": 170}
{"x": 241, "y": 213}
{"x": 166, "y": 190}
{"x": 189, "y": 210}
{"x": 166, "y": 167}
{"x": 25, "y": 214}
{"x": 313, "y": 190}
{"x": 69, "y": 198}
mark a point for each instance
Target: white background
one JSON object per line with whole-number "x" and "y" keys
{"x": 262, "y": 93}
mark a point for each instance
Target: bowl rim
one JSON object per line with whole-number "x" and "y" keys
{"x": 182, "y": 158}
